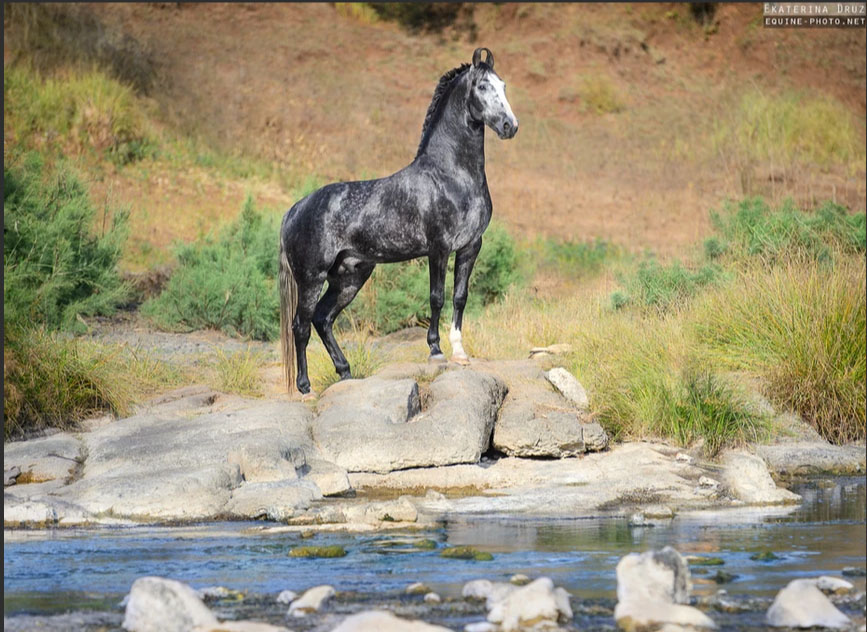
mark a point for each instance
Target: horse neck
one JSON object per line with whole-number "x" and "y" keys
{"x": 455, "y": 140}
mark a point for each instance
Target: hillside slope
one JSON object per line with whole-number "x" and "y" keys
{"x": 634, "y": 118}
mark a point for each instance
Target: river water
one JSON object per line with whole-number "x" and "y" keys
{"x": 49, "y": 572}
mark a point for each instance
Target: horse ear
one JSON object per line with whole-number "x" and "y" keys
{"x": 489, "y": 57}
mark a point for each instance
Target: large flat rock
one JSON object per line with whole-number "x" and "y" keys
{"x": 44, "y": 459}
{"x": 813, "y": 457}
{"x": 193, "y": 455}
{"x": 369, "y": 426}
{"x": 626, "y": 477}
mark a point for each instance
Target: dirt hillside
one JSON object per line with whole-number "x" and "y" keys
{"x": 622, "y": 108}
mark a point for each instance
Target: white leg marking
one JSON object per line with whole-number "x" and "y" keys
{"x": 457, "y": 348}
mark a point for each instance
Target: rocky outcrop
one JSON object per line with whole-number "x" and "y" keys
{"x": 198, "y": 455}
{"x": 368, "y": 427}
{"x": 652, "y": 590}
{"x": 747, "y": 478}
{"x": 538, "y": 421}
{"x": 193, "y": 456}
{"x": 802, "y": 605}
{"x": 813, "y": 457}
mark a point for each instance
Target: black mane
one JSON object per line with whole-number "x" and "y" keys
{"x": 442, "y": 86}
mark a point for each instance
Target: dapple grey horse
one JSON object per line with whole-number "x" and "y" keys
{"x": 437, "y": 205}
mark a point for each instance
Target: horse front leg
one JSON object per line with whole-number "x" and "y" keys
{"x": 438, "y": 264}
{"x": 465, "y": 258}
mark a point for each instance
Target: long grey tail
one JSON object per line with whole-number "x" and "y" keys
{"x": 288, "y": 307}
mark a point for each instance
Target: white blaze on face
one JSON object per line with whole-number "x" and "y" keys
{"x": 455, "y": 339}
{"x": 495, "y": 100}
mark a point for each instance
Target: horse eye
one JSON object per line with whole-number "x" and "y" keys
{"x": 483, "y": 86}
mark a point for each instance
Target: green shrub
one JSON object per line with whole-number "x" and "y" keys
{"x": 632, "y": 365}
{"x": 398, "y": 295}
{"x": 84, "y": 111}
{"x": 664, "y": 287}
{"x": 801, "y": 329}
{"x": 575, "y": 258}
{"x": 708, "y": 408}
{"x": 55, "y": 268}
{"x": 227, "y": 283}
{"x": 752, "y": 229}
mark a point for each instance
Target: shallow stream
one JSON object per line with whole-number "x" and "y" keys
{"x": 51, "y": 572}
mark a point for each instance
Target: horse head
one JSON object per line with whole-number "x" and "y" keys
{"x": 487, "y": 97}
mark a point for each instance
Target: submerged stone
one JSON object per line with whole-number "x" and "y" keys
{"x": 764, "y": 556}
{"x": 466, "y": 553}
{"x": 318, "y": 551}
{"x": 723, "y": 577}
{"x": 705, "y": 561}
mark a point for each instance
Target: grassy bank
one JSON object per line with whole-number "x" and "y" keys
{"x": 682, "y": 350}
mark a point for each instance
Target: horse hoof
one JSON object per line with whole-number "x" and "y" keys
{"x": 437, "y": 359}
{"x": 461, "y": 359}
{"x": 308, "y": 397}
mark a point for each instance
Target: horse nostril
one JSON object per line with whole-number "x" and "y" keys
{"x": 506, "y": 126}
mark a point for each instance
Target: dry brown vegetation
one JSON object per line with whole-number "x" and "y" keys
{"x": 622, "y": 109}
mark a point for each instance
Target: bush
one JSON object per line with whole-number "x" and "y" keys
{"x": 600, "y": 95}
{"x": 85, "y": 111}
{"x": 227, "y": 283}
{"x": 800, "y": 328}
{"x": 664, "y": 287}
{"x": 55, "y": 269}
{"x": 238, "y": 372}
{"x": 752, "y": 229}
{"x": 398, "y": 295}
{"x": 575, "y": 258}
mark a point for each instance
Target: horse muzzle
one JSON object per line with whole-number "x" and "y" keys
{"x": 506, "y": 128}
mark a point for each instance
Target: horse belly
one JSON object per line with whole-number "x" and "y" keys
{"x": 390, "y": 238}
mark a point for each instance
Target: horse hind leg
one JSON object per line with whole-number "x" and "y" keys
{"x": 342, "y": 288}
{"x": 308, "y": 292}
